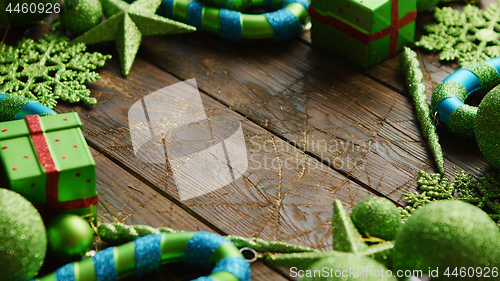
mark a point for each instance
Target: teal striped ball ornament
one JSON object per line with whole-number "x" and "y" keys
{"x": 488, "y": 127}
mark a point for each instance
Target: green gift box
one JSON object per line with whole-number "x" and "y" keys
{"x": 47, "y": 160}
{"x": 363, "y": 31}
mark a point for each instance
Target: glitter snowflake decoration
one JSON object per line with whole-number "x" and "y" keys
{"x": 48, "y": 70}
{"x": 469, "y": 36}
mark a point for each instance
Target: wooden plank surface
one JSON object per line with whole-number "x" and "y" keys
{"x": 284, "y": 195}
{"x": 316, "y": 128}
{"x": 125, "y": 199}
{"x": 311, "y": 99}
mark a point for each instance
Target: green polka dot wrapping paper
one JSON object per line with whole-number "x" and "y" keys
{"x": 364, "y": 32}
{"x": 47, "y": 160}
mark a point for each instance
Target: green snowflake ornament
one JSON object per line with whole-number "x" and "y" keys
{"x": 469, "y": 36}
{"x": 48, "y": 70}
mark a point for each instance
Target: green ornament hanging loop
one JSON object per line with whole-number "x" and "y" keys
{"x": 449, "y": 96}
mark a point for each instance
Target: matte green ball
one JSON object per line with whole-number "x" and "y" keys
{"x": 69, "y": 237}
{"x": 378, "y": 217}
{"x": 424, "y": 5}
{"x": 447, "y": 234}
{"x": 488, "y": 127}
{"x": 23, "y": 241}
{"x": 79, "y": 16}
{"x": 28, "y": 17}
{"x": 354, "y": 267}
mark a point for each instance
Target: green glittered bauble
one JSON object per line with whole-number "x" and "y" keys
{"x": 78, "y": 16}
{"x": 377, "y": 217}
{"x": 488, "y": 127}
{"x": 346, "y": 267}
{"x": 25, "y": 12}
{"x": 70, "y": 237}
{"x": 447, "y": 234}
{"x": 23, "y": 242}
{"x": 424, "y": 5}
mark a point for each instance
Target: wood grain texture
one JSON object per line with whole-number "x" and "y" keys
{"x": 125, "y": 199}
{"x": 359, "y": 122}
{"x": 326, "y": 108}
{"x": 284, "y": 195}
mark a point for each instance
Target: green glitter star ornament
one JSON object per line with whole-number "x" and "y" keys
{"x": 48, "y": 70}
{"x": 126, "y": 24}
{"x": 469, "y": 36}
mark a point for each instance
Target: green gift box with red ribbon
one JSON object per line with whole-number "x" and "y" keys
{"x": 47, "y": 160}
{"x": 363, "y": 31}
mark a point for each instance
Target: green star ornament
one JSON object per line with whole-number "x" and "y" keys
{"x": 126, "y": 24}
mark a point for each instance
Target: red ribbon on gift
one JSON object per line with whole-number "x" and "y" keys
{"x": 392, "y": 30}
{"x": 51, "y": 184}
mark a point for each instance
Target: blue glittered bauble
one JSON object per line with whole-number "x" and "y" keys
{"x": 23, "y": 242}
{"x": 447, "y": 234}
{"x": 488, "y": 127}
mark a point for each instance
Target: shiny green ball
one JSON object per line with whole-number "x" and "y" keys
{"x": 70, "y": 237}
{"x": 352, "y": 266}
{"x": 34, "y": 10}
{"x": 23, "y": 241}
{"x": 78, "y": 16}
{"x": 424, "y": 5}
{"x": 447, "y": 234}
{"x": 488, "y": 127}
{"x": 377, "y": 217}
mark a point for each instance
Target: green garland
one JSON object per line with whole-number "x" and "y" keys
{"x": 484, "y": 192}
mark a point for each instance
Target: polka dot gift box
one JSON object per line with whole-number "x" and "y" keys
{"x": 363, "y": 31}
{"x": 46, "y": 159}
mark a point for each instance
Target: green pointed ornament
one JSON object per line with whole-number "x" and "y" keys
{"x": 126, "y": 24}
{"x": 380, "y": 252}
{"x": 346, "y": 237}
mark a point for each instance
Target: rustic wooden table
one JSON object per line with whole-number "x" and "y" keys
{"x": 316, "y": 127}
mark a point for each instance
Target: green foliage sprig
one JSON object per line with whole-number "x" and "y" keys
{"x": 484, "y": 192}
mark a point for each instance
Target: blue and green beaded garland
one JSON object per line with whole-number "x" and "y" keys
{"x": 282, "y": 24}
{"x": 449, "y": 96}
{"x": 143, "y": 256}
